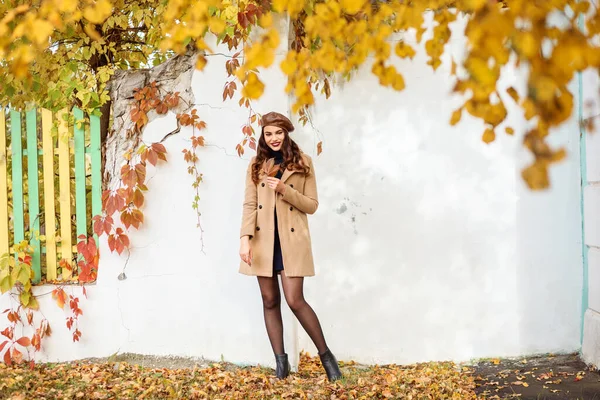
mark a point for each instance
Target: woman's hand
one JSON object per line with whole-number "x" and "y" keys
{"x": 276, "y": 185}
{"x": 246, "y": 250}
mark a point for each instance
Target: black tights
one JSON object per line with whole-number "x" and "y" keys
{"x": 293, "y": 291}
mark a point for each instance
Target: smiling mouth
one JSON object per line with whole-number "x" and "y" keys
{"x": 275, "y": 144}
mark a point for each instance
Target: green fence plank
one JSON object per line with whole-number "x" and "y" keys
{"x": 17, "y": 176}
{"x": 80, "y": 203}
{"x": 96, "y": 156}
{"x": 33, "y": 192}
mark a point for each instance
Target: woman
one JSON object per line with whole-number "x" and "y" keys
{"x": 280, "y": 190}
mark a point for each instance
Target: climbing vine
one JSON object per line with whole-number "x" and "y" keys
{"x": 127, "y": 199}
{"x": 16, "y": 279}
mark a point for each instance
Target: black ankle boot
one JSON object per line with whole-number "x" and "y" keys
{"x": 282, "y": 366}
{"x": 330, "y": 365}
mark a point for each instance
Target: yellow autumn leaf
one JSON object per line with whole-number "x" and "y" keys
{"x": 41, "y": 33}
{"x": 279, "y": 5}
{"x": 513, "y": 93}
{"x": 474, "y": 5}
{"x": 91, "y": 32}
{"x": 398, "y": 82}
{"x": 98, "y": 13}
{"x": 480, "y": 71}
{"x": 289, "y": 65}
{"x": 456, "y": 115}
{"x": 509, "y": 130}
{"x": 536, "y": 175}
{"x": 526, "y": 44}
{"x": 66, "y": 6}
{"x": 530, "y": 109}
{"x": 200, "y": 63}
{"x": 266, "y": 20}
{"x": 217, "y": 25}
{"x": 352, "y": 6}
{"x": 559, "y": 155}
{"x": 403, "y": 50}
{"x": 253, "y": 88}
{"x": 488, "y": 136}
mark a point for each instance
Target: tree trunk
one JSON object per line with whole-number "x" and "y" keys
{"x": 174, "y": 75}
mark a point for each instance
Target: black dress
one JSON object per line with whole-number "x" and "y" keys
{"x": 277, "y": 255}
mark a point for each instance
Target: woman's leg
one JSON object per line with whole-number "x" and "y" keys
{"x": 293, "y": 288}
{"x": 271, "y": 297}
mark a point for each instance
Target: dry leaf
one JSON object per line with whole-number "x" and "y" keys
{"x": 270, "y": 168}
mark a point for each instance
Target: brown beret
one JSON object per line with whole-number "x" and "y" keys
{"x": 276, "y": 119}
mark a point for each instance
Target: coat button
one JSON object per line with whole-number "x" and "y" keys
{"x": 292, "y": 229}
{"x": 291, "y": 208}
{"x": 263, "y": 184}
{"x": 260, "y": 206}
{"x": 258, "y": 228}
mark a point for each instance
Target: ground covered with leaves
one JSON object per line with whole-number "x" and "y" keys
{"x": 124, "y": 380}
{"x": 132, "y": 376}
{"x": 548, "y": 377}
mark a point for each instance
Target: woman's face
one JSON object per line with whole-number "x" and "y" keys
{"x": 274, "y": 136}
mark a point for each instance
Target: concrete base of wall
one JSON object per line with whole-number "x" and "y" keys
{"x": 591, "y": 337}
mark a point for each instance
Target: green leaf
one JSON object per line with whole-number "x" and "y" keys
{"x": 24, "y": 275}
{"x": 6, "y": 284}
{"x": 25, "y": 297}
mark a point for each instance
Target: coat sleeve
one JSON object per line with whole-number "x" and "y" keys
{"x": 307, "y": 202}
{"x": 250, "y": 201}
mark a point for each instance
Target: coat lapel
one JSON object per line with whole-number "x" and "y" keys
{"x": 286, "y": 174}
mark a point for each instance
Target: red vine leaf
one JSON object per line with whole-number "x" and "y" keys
{"x": 269, "y": 168}
{"x": 197, "y": 141}
{"x": 3, "y": 345}
{"x": 172, "y": 99}
{"x": 162, "y": 108}
{"x": 118, "y": 241}
{"x": 7, "y": 359}
{"x": 87, "y": 273}
{"x": 128, "y": 176}
{"x": 102, "y": 224}
{"x": 17, "y": 356}
{"x": 138, "y": 198}
{"x": 113, "y": 201}
{"x": 24, "y": 341}
{"x": 36, "y": 341}
{"x": 74, "y": 304}
{"x": 60, "y": 296}
{"x": 137, "y": 218}
{"x": 151, "y": 156}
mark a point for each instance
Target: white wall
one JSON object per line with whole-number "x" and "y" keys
{"x": 427, "y": 244}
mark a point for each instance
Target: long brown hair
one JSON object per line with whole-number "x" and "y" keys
{"x": 292, "y": 156}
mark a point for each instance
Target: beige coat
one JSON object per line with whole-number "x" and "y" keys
{"x": 258, "y": 221}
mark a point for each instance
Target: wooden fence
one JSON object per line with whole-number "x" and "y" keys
{"x": 54, "y": 203}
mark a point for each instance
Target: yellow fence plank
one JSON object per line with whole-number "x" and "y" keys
{"x": 4, "y": 243}
{"x": 64, "y": 191}
{"x": 49, "y": 195}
